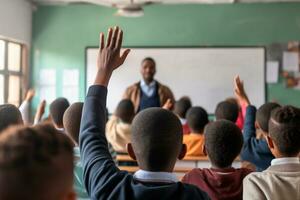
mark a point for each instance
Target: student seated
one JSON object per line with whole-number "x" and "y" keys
{"x": 71, "y": 122}
{"x": 223, "y": 143}
{"x": 180, "y": 109}
{"x": 9, "y": 115}
{"x": 227, "y": 110}
{"x": 282, "y": 179}
{"x": 242, "y": 112}
{"x": 118, "y": 127}
{"x": 156, "y": 142}
{"x": 57, "y": 110}
{"x": 36, "y": 163}
{"x": 197, "y": 118}
{"x": 255, "y": 150}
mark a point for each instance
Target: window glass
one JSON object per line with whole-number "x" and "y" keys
{"x": 14, "y": 57}
{"x": 14, "y": 90}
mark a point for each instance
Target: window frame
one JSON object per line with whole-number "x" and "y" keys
{"x": 6, "y": 73}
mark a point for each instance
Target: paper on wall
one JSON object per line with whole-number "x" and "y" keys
{"x": 272, "y": 71}
{"x": 290, "y": 61}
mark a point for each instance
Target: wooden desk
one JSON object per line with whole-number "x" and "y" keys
{"x": 124, "y": 158}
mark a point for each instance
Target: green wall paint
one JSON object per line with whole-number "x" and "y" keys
{"x": 61, "y": 33}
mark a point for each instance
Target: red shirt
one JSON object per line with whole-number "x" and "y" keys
{"x": 186, "y": 129}
{"x": 219, "y": 184}
{"x": 241, "y": 118}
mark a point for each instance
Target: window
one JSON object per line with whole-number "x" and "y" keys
{"x": 11, "y": 72}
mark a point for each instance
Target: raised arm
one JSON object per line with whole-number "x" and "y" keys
{"x": 24, "y": 107}
{"x": 39, "y": 112}
{"x": 250, "y": 142}
{"x": 97, "y": 163}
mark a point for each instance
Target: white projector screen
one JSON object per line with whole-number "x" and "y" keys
{"x": 204, "y": 74}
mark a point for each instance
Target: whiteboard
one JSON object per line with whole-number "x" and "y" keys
{"x": 204, "y": 74}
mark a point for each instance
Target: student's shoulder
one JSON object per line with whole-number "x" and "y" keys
{"x": 244, "y": 171}
{"x": 194, "y": 173}
{"x": 193, "y": 191}
{"x": 256, "y": 177}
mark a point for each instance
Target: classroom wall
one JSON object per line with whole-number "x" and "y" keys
{"x": 16, "y": 20}
{"x": 61, "y": 33}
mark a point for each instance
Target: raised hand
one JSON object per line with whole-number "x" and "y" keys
{"x": 40, "y": 112}
{"x": 29, "y": 95}
{"x": 109, "y": 56}
{"x": 240, "y": 91}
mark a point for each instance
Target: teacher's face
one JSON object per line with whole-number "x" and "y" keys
{"x": 148, "y": 71}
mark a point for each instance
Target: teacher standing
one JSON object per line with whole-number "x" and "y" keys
{"x": 148, "y": 92}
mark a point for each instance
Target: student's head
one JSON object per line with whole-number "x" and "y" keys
{"x": 36, "y": 163}
{"x": 156, "y": 140}
{"x": 181, "y": 107}
{"x": 9, "y": 115}
{"x": 284, "y": 132}
{"x": 263, "y": 115}
{"x": 197, "y": 118}
{"x": 148, "y": 69}
{"x": 57, "y": 110}
{"x": 223, "y": 142}
{"x": 71, "y": 121}
{"x": 227, "y": 110}
{"x": 232, "y": 100}
{"x": 125, "y": 111}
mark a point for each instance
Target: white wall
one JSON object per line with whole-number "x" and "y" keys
{"x": 16, "y": 20}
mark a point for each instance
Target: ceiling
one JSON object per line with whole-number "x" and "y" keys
{"x": 118, "y": 2}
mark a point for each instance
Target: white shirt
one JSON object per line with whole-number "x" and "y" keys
{"x": 183, "y": 121}
{"x": 286, "y": 160}
{"x": 148, "y": 89}
{"x": 147, "y": 176}
{"x": 24, "y": 110}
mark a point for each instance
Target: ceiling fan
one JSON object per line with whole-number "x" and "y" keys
{"x": 129, "y": 8}
{"x": 132, "y": 9}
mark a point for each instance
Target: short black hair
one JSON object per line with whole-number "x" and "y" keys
{"x": 284, "y": 129}
{"x": 72, "y": 119}
{"x": 232, "y": 100}
{"x": 227, "y": 110}
{"x": 57, "y": 110}
{"x": 263, "y": 115}
{"x": 35, "y": 163}
{"x": 156, "y": 138}
{"x": 197, "y": 118}
{"x": 182, "y": 106}
{"x": 149, "y": 59}
{"x": 9, "y": 115}
{"x": 125, "y": 111}
{"x": 223, "y": 142}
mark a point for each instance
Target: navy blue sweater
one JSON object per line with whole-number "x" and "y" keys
{"x": 102, "y": 178}
{"x": 255, "y": 150}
